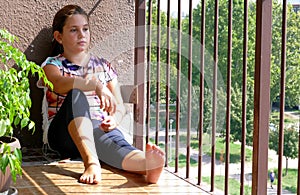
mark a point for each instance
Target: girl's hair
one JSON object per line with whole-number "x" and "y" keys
{"x": 59, "y": 22}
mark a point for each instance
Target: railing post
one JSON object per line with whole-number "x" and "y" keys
{"x": 139, "y": 72}
{"x": 261, "y": 97}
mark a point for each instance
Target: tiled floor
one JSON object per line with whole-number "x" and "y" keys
{"x": 40, "y": 176}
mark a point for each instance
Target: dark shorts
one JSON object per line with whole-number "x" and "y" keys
{"x": 111, "y": 147}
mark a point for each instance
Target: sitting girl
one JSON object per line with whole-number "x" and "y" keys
{"x": 85, "y": 105}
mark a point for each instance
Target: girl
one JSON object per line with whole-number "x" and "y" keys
{"x": 85, "y": 105}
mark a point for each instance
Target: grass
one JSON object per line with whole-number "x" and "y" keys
{"x": 235, "y": 150}
{"x": 234, "y": 157}
{"x": 234, "y": 185}
{"x": 182, "y": 161}
{"x": 289, "y": 181}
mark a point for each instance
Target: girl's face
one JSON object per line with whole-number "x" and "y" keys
{"x": 76, "y": 34}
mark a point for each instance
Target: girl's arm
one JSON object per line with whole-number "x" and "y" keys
{"x": 63, "y": 85}
{"x": 114, "y": 87}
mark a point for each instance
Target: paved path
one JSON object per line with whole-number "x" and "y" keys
{"x": 235, "y": 169}
{"x": 273, "y": 190}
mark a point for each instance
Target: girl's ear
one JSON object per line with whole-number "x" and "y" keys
{"x": 57, "y": 37}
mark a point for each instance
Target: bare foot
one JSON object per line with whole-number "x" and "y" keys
{"x": 91, "y": 174}
{"x": 155, "y": 160}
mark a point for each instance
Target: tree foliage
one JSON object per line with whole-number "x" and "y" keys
{"x": 292, "y": 55}
{"x": 292, "y": 62}
{"x": 290, "y": 143}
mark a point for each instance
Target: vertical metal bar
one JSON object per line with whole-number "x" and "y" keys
{"x": 282, "y": 97}
{"x": 201, "y": 98}
{"x": 244, "y": 98}
{"x": 139, "y": 72}
{"x": 228, "y": 103}
{"x": 149, "y": 70}
{"x": 168, "y": 84}
{"x": 261, "y": 96}
{"x": 158, "y": 74}
{"x": 178, "y": 102}
{"x": 189, "y": 112}
{"x": 214, "y": 101}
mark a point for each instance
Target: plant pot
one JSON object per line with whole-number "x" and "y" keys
{"x": 5, "y": 179}
{"x": 10, "y": 191}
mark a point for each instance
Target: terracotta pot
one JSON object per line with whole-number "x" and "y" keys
{"x": 5, "y": 179}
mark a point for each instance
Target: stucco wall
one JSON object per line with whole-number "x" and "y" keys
{"x": 112, "y": 27}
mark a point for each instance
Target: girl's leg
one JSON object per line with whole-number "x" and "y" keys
{"x": 71, "y": 134}
{"x": 149, "y": 163}
{"x": 114, "y": 150}
{"x": 80, "y": 130}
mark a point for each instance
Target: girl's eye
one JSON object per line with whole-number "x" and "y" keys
{"x": 73, "y": 30}
{"x": 85, "y": 29}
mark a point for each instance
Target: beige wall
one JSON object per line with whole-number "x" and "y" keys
{"x": 112, "y": 25}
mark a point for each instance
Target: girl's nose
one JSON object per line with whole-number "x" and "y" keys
{"x": 81, "y": 33}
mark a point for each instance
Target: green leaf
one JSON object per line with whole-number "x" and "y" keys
{"x": 18, "y": 154}
{"x": 2, "y": 127}
{"x": 17, "y": 121}
{"x": 31, "y": 125}
{"x": 12, "y": 168}
{"x": 24, "y": 122}
{"x": 6, "y": 148}
{"x": 4, "y": 162}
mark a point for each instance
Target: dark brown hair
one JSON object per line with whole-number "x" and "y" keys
{"x": 59, "y": 22}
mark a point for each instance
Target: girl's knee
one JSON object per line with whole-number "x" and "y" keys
{"x": 77, "y": 105}
{"x": 77, "y": 96}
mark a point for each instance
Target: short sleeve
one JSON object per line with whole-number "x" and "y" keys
{"x": 103, "y": 70}
{"x": 52, "y": 60}
{"x": 110, "y": 70}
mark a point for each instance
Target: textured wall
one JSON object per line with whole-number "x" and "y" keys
{"x": 112, "y": 26}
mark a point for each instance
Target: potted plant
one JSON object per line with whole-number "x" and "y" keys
{"x": 15, "y": 103}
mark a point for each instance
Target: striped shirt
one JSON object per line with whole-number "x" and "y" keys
{"x": 97, "y": 68}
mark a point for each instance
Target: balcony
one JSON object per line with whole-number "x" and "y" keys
{"x": 188, "y": 90}
{"x": 48, "y": 175}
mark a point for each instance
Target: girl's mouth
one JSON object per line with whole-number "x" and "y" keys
{"x": 81, "y": 42}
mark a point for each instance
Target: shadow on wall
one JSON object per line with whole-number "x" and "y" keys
{"x": 37, "y": 51}
{"x": 39, "y": 48}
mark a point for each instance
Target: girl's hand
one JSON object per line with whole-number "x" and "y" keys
{"x": 107, "y": 99}
{"x": 108, "y": 124}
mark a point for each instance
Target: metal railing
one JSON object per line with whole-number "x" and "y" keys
{"x": 166, "y": 59}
